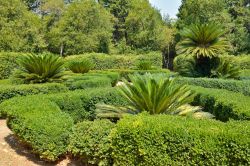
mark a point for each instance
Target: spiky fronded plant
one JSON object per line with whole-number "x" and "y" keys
{"x": 40, "y": 69}
{"x": 156, "y": 94}
{"x": 81, "y": 66}
{"x": 202, "y": 40}
{"x": 225, "y": 70}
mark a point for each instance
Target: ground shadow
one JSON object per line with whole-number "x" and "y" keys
{"x": 23, "y": 150}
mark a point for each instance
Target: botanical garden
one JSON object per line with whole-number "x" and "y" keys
{"x": 114, "y": 82}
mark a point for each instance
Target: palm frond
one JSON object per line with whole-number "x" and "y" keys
{"x": 40, "y": 69}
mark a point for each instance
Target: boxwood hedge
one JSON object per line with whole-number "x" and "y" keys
{"x": 223, "y": 104}
{"x": 40, "y": 124}
{"x": 170, "y": 140}
{"x": 231, "y": 85}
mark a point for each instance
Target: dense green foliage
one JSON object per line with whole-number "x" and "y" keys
{"x": 41, "y": 125}
{"x": 225, "y": 105}
{"x": 105, "y": 61}
{"x": 90, "y": 33}
{"x": 155, "y": 94}
{"x": 40, "y": 69}
{"x": 9, "y": 91}
{"x": 90, "y": 141}
{"x": 20, "y": 30}
{"x": 231, "y": 85}
{"x": 167, "y": 140}
{"x": 8, "y": 62}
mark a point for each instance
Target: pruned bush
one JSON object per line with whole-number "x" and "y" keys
{"x": 231, "y": 85}
{"x": 40, "y": 69}
{"x": 41, "y": 125}
{"x": 223, "y": 104}
{"x": 81, "y": 66}
{"x": 90, "y": 142}
{"x": 167, "y": 140}
{"x": 9, "y": 91}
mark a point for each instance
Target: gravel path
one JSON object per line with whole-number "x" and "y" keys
{"x": 13, "y": 154}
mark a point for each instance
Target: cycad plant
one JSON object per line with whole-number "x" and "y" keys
{"x": 155, "y": 94}
{"x": 40, "y": 69}
{"x": 81, "y": 66}
{"x": 202, "y": 40}
{"x": 225, "y": 70}
{"x": 205, "y": 43}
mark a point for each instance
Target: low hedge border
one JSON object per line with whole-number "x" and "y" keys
{"x": 9, "y": 91}
{"x": 171, "y": 140}
{"x": 79, "y": 104}
{"x": 231, "y": 85}
{"x": 225, "y": 105}
{"x": 41, "y": 125}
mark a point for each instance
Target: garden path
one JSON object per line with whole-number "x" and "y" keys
{"x": 13, "y": 154}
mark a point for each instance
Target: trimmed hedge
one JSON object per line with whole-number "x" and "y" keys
{"x": 125, "y": 73}
{"x": 171, "y": 140}
{"x": 95, "y": 79}
{"x": 231, "y": 85}
{"x": 80, "y": 104}
{"x": 223, "y": 104}
{"x": 40, "y": 124}
{"x": 90, "y": 142}
{"x": 105, "y": 61}
{"x": 9, "y": 91}
{"x": 245, "y": 74}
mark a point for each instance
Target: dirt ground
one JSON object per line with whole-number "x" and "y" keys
{"x": 13, "y": 154}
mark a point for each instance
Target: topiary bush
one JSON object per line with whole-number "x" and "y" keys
{"x": 167, "y": 140}
{"x": 90, "y": 142}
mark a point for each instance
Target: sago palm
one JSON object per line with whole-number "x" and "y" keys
{"x": 225, "y": 70}
{"x": 202, "y": 40}
{"x": 40, "y": 69}
{"x": 156, "y": 94}
{"x": 81, "y": 66}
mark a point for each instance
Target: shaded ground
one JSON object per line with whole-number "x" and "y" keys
{"x": 13, "y": 154}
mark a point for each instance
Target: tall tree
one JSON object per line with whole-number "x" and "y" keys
{"x": 85, "y": 26}
{"x": 20, "y": 29}
{"x": 233, "y": 15}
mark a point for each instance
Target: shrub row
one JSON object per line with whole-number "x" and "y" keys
{"x": 40, "y": 124}
{"x": 94, "y": 79}
{"x": 79, "y": 104}
{"x": 223, "y": 104}
{"x": 231, "y": 85}
{"x": 105, "y": 61}
{"x": 9, "y": 91}
{"x": 45, "y": 121}
{"x": 162, "y": 140}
